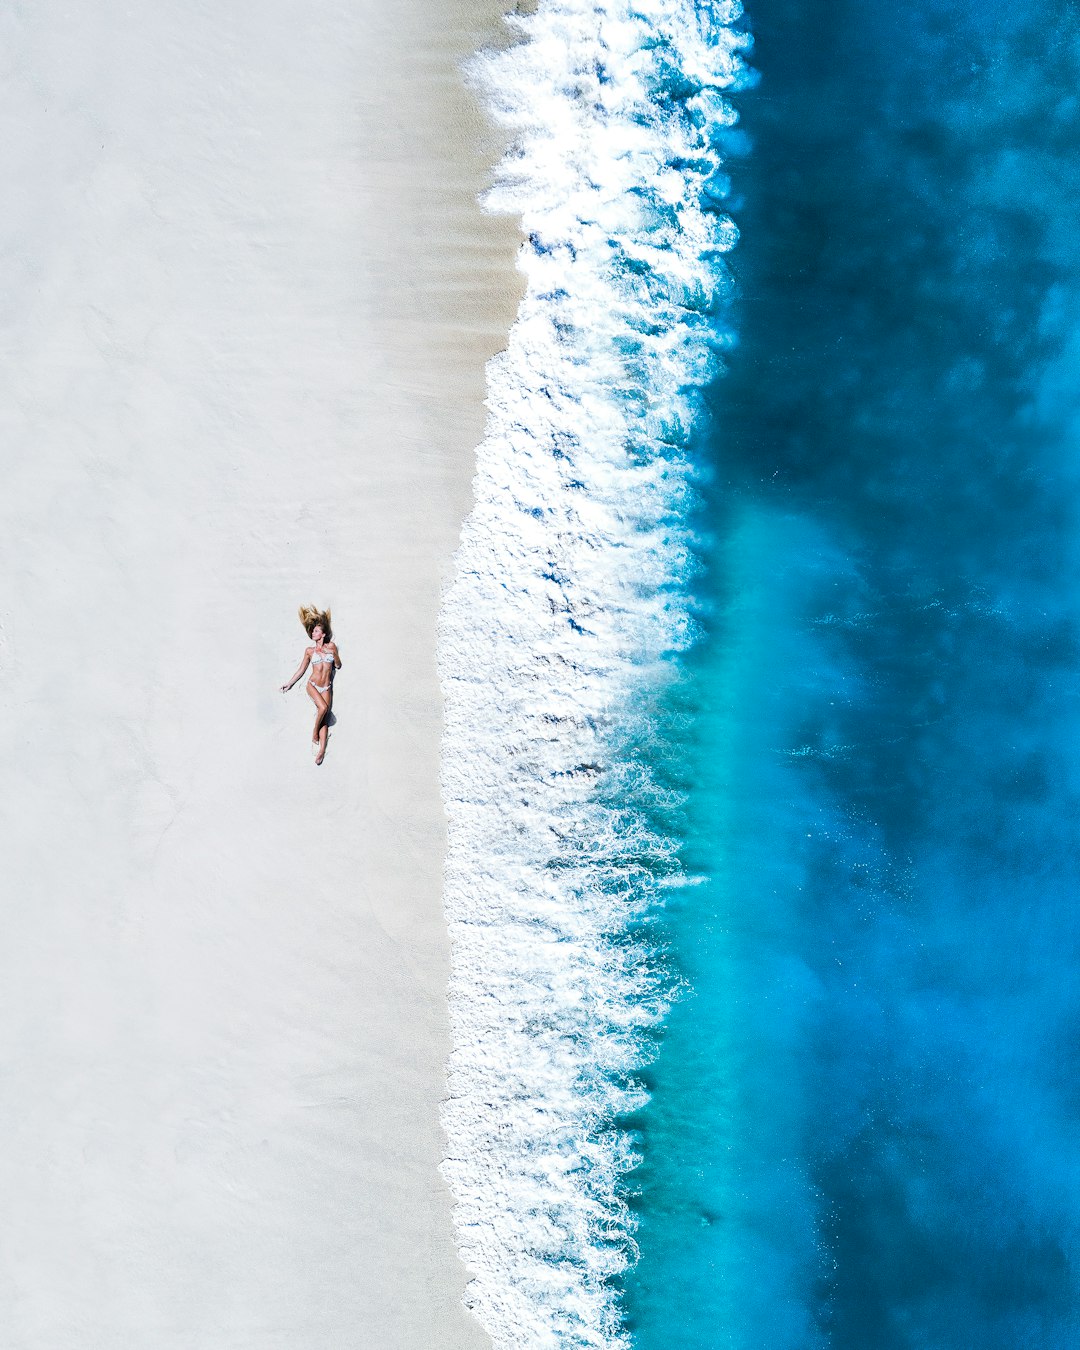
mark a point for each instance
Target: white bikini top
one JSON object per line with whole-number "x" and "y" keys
{"x": 321, "y": 658}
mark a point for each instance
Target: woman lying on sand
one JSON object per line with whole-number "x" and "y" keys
{"x": 323, "y": 659}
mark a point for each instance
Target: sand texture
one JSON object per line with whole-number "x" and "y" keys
{"x": 247, "y": 300}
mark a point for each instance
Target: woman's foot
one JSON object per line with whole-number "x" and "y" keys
{"x": 319, "y": 756}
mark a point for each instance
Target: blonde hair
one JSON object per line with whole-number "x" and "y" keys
{"x": 310, "y": 616}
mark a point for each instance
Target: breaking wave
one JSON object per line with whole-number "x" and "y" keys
{"x": 560, "y": 636}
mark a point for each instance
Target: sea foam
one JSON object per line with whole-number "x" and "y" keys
{"x": 562, "y": 630}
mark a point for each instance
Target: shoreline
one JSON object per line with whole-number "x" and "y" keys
{"x": 252, "y": 303}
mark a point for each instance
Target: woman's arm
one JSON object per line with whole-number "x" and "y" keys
{"x": 299, "y": 670}
{"x": 337, "y": 656}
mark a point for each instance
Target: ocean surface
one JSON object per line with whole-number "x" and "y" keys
{"x": 762, "y": 670}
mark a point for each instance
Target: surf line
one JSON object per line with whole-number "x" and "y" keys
{"x": 561, "y": 633}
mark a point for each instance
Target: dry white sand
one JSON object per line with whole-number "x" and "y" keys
{"x": 247, "y": 296}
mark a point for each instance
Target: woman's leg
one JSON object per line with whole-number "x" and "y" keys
{"x": 324, "y": 730}
{"x": 322, "y": 707}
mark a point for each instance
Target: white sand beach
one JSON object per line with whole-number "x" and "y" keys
{"x": 247, "y": 298}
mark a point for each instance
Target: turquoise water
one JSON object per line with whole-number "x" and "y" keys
{"x": 863, "y": 1127}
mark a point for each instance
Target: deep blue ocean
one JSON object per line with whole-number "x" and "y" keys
{"x": 864, "y": 1123}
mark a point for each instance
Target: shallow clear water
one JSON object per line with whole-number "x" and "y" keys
{"x": 863, "y": 1128}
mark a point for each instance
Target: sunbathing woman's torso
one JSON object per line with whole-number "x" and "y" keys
{"x": 322, "y": 665}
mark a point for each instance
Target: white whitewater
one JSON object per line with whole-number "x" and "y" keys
{"x": 558, "y": 635}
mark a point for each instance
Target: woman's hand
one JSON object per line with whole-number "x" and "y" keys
{"x": 285, "y": 688}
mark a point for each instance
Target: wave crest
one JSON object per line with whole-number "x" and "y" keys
{"x": 560, "y": 634}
